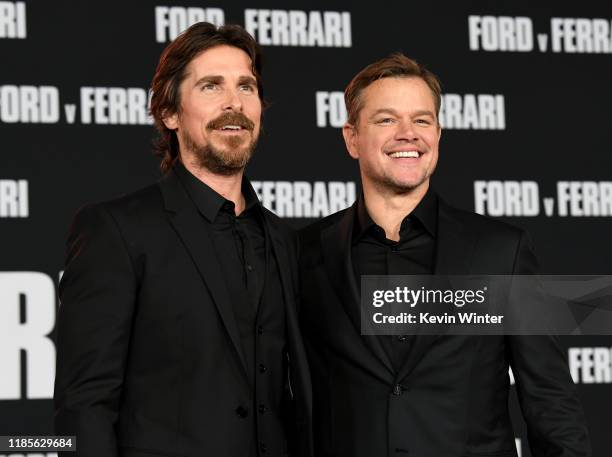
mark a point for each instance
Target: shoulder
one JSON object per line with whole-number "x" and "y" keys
{"x": 141, "y": 201}
{"x": 482, "y": 226}
{"x": 499, "y": 247}
{"x": 312, "y": 233}
{"x": 133, "y": 207}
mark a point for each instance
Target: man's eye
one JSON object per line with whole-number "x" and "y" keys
{"x": 247, "y": 88}
{"x": 209, "y": 86}
{"x": 423, "y": 121}
{"x": 386, "y": 120}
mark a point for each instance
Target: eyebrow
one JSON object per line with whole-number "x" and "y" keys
{"x": 384, "y": 111}
{"x": 424, "y": 112}
{"x": 395, "y": 113}
{"x": 247, "y": 80}
{"x": 218, "y": 79}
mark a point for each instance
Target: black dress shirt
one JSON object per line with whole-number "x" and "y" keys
{"x": 374, "y": 254}
{"x": 239, "y": 240}
{"x": 243, "y": 252}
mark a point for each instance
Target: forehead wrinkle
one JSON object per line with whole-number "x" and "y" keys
{"x": 385, "y": 110}
{"x": 211, "y": 64}
{"x": 366, "y": 93}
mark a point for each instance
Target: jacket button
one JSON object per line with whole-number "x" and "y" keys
{"x": 242, "y": 411}
{"x": 397, "y": 389}
{"x": 259, "y": 330}
{"x": 263, "y": 448}
{"x": 262, "y": 409}
{"x": 262, "y": 368}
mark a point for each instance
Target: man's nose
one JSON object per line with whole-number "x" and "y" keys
{"x": 232, "y": 100}
{"x": 406, "y": 131}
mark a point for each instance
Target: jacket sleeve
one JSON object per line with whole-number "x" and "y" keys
{"x": 547, "y": 395}
{"x": 97, "y": 300}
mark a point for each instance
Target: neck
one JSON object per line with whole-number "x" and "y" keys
{"x": 229, "y": 187}
{"x": 388, "y": 208}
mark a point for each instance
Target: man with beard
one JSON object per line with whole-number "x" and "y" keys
{"x": 443, "y": 396}
{"x": 177, "y": 331}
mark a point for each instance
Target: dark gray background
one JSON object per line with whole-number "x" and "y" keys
{"x": 557, "y": 128}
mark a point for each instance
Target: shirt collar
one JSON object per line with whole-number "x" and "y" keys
{"x": 208, "y": 201}
{"x": 426, "y": 212}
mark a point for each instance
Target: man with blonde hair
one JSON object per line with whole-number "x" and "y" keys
{"x": 419, "y": 395}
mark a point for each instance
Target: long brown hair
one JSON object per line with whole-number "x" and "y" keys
{"x": 171, "y": 70}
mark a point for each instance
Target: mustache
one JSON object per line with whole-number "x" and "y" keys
{"x": 231, "y": 118}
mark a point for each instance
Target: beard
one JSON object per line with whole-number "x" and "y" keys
{"x": 388, "y": 184}
{"x": 399, "y": 187}
{"x": 233, "y": 155}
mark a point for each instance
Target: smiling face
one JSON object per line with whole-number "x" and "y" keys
{"x": 396, "y": 135}
{"x": 219, "y": 119}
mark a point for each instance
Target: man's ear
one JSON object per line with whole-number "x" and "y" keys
{"x": 171, "y": 121}
{"x": 349, "y": 132}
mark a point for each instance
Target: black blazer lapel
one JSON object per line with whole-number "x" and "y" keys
{"x": 192, "y": 231}
{"x": 455, "y": 243}
{"x": 299, "y": 372}
{"x": 336, "y": 244}
{"x": 454, "y": 252}
{"x": 284, "y": 265}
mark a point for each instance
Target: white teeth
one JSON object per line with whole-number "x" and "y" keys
{"x": 231, "y": 127}
{"x": 398, "y": 154}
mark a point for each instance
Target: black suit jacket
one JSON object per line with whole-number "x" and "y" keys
{"x": 149, "y": 360}
{"x": 450, "y": 398}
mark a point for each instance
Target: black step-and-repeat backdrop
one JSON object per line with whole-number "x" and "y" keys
{"x": 527, "y": 138}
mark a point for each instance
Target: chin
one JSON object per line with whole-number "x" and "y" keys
{"x": 405, "y": 185}
{"x": 412, "y": 181}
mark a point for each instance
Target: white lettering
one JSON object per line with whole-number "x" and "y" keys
{"x": 14, "y": 198}
{"x": 299, "y": 28}
{"x": 581, "y": 35}
{"x": 29, "y": 104}
{"x": 591, "y": 365}
{"x": 473, "y": 111}
{"x": 170, "y": 21}
{"x": 500, "y": 33}
{"x": 114, "y": 105}
{"x": 304, "y": 199}
{"x": 331, "y": 110}
{"x": 13, "y": 20}
{"x": 507, "y": 198}
{"x": 27, "y": 316}
{"x": 584, "y": 198}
